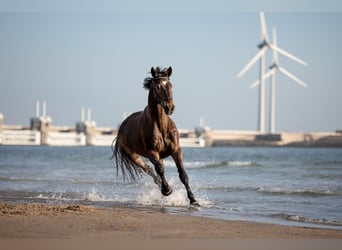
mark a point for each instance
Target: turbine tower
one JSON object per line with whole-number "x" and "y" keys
{"x": 263, "y": 46}
{"x": 272, "y": 73}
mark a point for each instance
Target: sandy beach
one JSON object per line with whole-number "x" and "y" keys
{"x": 37, "y": 221}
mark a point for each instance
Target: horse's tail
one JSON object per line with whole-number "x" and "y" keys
{"x": 129, "y": 169}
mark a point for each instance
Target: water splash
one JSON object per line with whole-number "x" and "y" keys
{"x": 93, "y": 195}
{"x": 150, "y": 195}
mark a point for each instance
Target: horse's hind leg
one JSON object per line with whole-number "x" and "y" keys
{"x": 147, "y": 169}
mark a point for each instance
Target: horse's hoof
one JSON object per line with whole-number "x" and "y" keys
{"x": 194, "y": 203}
{"x": 166, "y": 191}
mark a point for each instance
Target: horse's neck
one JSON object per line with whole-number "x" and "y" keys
{"x": 158, "y": 116}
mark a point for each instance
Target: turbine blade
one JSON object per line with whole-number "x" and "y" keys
{"x": 251, "y": 62}
{"x": 254, "y": 84}
{"x": 285, "y": 53}
{"x": 264, "y": 34}
{"x": 267, "y": 75}
{"x": 275, "y": 53}
{"x": 285, "y": 72}
{"x": 274, "y": 31}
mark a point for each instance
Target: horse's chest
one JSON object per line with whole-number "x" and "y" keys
{"x": 157, "y": 144}
{"x": 163, "y": 142}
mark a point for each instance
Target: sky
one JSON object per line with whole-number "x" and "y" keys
{"x": 97, "y": 56}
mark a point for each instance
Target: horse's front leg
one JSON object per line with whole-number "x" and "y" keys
{"x": 159, "y": 167}
{"x": 178, "y": 158}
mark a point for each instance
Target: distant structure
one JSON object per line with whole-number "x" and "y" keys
{"x": 87, "y": 127}
{"x": 263, "y": 46}
{"x": 1, "y": 121}
{"x": 41, "y": 123}
{"x": 85, "y": 133}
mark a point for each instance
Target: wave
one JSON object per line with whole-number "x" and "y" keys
{"x": 272, "y": 190}
{"x": 56, "y": 180}
{"x": 231, "y": 164}
{"x": 303, "y": 219}
{"x": 325, "y": 163}
{"x": 52, "y": 197}
{"x": 95, "y": 181}
{"x": 212, "y": 164}
{"x": 303, "y": 192}
{"x": 22, "y": 179}
{"x": 228, "y": 189}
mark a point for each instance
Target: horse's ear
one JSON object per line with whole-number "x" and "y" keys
{"x": 169, "y": 71}
{"x": 153, "y": 72}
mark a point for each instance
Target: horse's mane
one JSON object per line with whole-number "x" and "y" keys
{"x": 160, "y": 72}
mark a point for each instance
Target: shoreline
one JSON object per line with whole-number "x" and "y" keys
{"x": 41, "y": 221}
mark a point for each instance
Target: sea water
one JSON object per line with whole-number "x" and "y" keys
{"x": 290, "y": 186}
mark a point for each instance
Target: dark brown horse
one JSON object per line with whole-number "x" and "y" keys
{"x": 152, "y": 134}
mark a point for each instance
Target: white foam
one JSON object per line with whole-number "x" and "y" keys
{"x": 93, "y": 195}
{"x": 150, "y": 195}
{"x": 169, "y": 163}
{"x": 240, "y": 163}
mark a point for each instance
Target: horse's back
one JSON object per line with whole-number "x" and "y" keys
{"x": 131, "y": 124}
{"x": 128, "y": 134}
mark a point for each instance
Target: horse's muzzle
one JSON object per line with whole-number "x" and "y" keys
{"x": 168, "y": 107}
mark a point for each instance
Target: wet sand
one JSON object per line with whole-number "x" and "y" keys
{"x": 37, "y": 221}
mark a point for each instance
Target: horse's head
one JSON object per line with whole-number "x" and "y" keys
{"x": 160, "y": 88}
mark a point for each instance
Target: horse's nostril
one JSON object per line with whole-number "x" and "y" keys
{"x": 171, "y": 110}
{"x": 168, "y": 110}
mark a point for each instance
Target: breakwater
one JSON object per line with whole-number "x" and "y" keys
{"x": 84, "y": 133}
{"x": 218, "y": 138}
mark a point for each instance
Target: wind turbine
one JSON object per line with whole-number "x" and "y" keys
{"x": 263, "y": 46}
{"x": 272, "y": 73}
